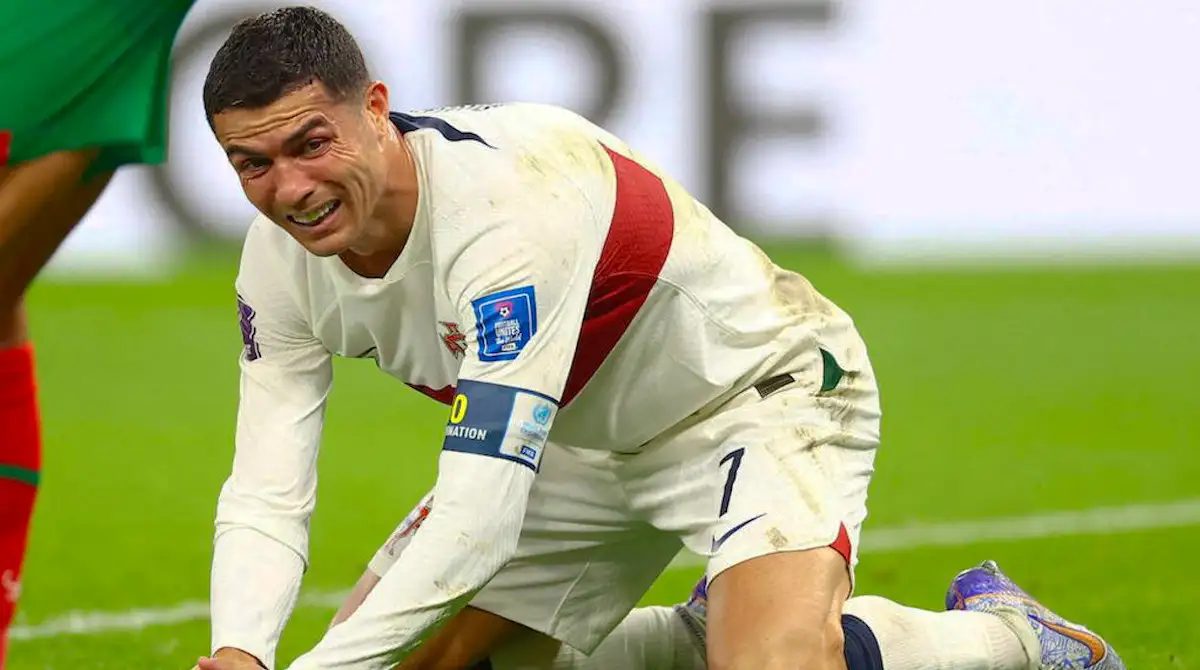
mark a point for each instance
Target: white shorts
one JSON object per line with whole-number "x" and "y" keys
{"x": 784, "y": 469}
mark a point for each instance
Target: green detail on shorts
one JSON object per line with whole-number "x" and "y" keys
{"x": 833, "y": 372}
{"x": 23, "y": 475}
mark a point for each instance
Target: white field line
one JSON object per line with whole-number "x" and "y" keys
{"x": 1095, "y": 521}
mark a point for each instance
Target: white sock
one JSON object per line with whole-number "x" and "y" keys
{"x": 649, "y": 638}
{"x": 913, "y": 639}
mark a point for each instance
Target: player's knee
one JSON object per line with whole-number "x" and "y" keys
{"x": 787, "y": 647}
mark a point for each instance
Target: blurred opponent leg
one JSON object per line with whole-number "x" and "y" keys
{"x": 39, "y": 205}
{"x": 86, "y": 91}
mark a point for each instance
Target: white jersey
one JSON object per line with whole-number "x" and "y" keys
{"x": 555, "y": 285}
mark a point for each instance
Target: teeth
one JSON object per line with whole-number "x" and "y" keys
{"x": 315, "y": 215}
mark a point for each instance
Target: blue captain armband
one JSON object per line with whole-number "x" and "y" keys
{"x": 500, "y": 421}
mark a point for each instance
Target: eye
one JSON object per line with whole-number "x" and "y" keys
{"x": 315, "y": 145}
{"x": 253, "y": 166}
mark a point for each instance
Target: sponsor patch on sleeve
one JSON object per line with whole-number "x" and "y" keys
{"x": 500, "y": 421}
{"x": 246, "y": 321}
{"x": 505, "y": 323}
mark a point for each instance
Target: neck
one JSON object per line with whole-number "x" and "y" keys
{"x": 392, "y": 221}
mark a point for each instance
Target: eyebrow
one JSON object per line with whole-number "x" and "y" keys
{"x": 291, "y": 140}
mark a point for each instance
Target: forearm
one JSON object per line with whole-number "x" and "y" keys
{"x": 464, "y": 542}
{"x": 383, "y": 560}
{"x": 358, "y": 594}
{"x": 255, "y": 584}
{"x": 264, "y": 509}
{"x": 259, "y": 556}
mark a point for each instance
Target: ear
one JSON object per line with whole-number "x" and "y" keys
{"x": 377, "y": 103}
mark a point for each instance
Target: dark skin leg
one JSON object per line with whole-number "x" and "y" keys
{"x": 41, "y": 202}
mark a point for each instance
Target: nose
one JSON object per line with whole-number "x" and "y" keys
{"x": 294, "y": 188}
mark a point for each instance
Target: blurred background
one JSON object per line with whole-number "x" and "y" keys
{"x": 928, "y": 128}
{"x": 1000, "y": 193}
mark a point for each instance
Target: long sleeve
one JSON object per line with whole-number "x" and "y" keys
{"x": 466, "y": 539}
{"x": 261, "y": 545}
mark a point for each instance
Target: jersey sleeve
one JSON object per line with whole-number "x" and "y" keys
{"x": 523, "y": 289}
{"x": 520, "y": 283}
{"x": 386, "y": 556}
{"x": 261, "y": 546}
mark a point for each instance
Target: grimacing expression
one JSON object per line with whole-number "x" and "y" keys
{"x": 314, "y": 165}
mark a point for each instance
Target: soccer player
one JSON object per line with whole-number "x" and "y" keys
{"x": 85, "y": 91}
{"x": 625, "y": 376}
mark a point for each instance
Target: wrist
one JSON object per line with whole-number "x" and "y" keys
{"x": 231, "y": 654}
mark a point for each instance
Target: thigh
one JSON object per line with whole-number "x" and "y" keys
{"x": 795, "y": 467}
{"x": 39, "y": 206}
{"x": 583, "y": 560}
{"x": 88, "y": 73}
{"x": 793, "y": 470}
{"x": 781, "y": 610}
{"x": 465, "y": 640}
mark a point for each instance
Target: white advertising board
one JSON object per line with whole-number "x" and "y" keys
{"x": 937, "y": 127}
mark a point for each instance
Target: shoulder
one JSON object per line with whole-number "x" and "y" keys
{"x": 265, "y": 239}
{"x": 515, "y": 161}
{"x": 506, "y": 145}
{"x": 270, "y": 257}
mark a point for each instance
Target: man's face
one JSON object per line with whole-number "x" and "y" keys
{"x": 314, "y": 165}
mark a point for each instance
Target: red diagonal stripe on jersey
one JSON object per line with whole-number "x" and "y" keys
{"x": 444, "y": 395}
{"x": 634, "y": 253}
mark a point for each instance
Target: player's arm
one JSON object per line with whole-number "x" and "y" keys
{"x": 261, "y": 545}
{"x": 526, "y": 305}
{"x": 384, "y": 559}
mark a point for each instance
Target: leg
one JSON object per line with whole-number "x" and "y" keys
{"x": 986, "y": 591}
{"x": 34, "y": 218}
{"x": 779, "y": 603}
{"x": 40, "y": 204}
{"x": 880, "y": 633}
{"x": 464, "y": 642}
{"x": 534, "y": 590}
{"x": 779, "y": 501}
{"x": 90, "y": 112}
{"x": 913, "y": 639}
{"x": 780, "y": 611}
{"x": 20, "y": 460}
{"x": 649, "y": 638}
{"x": 793, "y": 475}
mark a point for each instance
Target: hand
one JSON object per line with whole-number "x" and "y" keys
{"x": 229, "y": 659}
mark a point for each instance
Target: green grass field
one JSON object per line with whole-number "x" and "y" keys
{"x": 1006, "y": 392}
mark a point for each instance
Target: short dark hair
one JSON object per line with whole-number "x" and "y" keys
{"x": 272, "y": 54}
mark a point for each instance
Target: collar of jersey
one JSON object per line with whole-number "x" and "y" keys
{"x": 416, "y": 249}
{"x": 415, "y": 252}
